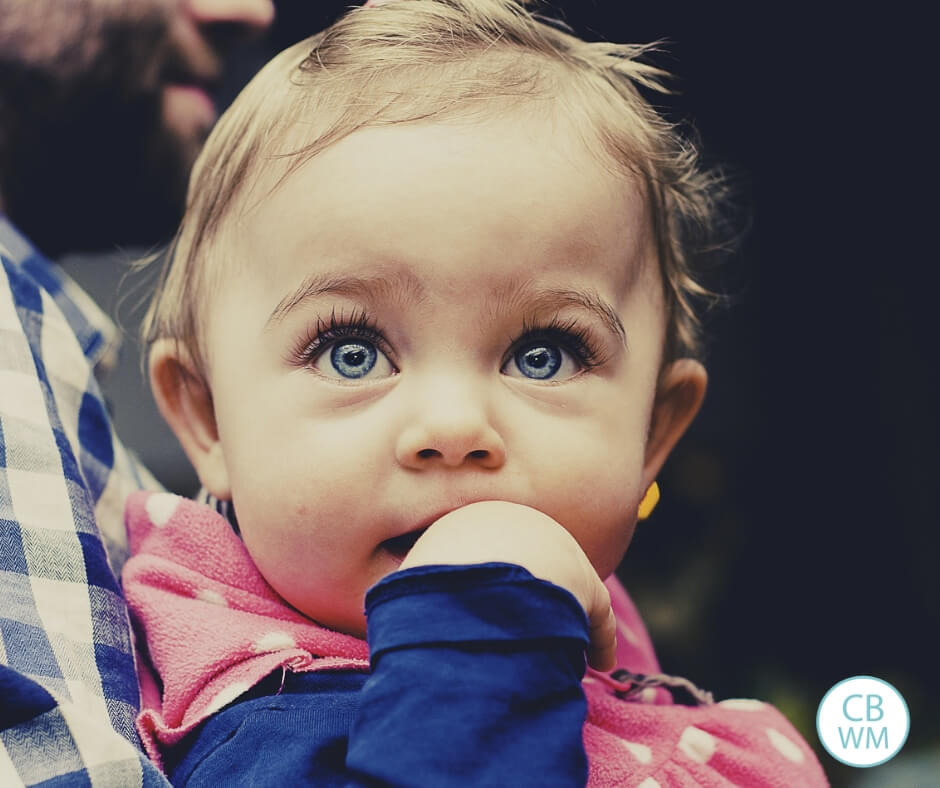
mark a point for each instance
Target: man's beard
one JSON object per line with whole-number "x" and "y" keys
{"x": 95, "y": 181}
{"x": 87, "y": 162}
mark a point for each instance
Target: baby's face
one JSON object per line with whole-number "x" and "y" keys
{"x": 428, "y": 316}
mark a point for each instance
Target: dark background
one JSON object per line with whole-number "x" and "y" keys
{"x": 796, "y": 543}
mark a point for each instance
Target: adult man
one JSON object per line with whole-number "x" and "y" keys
{"x": 103, "y": 107}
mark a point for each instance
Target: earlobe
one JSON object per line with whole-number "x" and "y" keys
{"x": 679, "y": 396}
{"x": 185, "y": 402}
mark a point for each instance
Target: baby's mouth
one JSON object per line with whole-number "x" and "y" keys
{"x": 400, "y": 545}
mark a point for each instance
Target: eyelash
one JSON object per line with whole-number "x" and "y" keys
{"x": 574, "y": 338}
{"x": 358, "y": 326}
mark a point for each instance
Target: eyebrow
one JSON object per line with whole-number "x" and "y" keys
{"x": 404, "y": 286}
{"x": 543, "y": 300}
{"x": 398, "y": 287}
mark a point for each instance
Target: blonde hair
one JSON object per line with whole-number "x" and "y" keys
{"x": 412, "y": 60}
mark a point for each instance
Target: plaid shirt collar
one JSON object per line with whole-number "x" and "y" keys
{"x": 98, "y": 336}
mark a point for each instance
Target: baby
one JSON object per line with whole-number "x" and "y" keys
{"x": 427, "y": 331}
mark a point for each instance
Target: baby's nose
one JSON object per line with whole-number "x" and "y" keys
{"x": 451, "y": 437}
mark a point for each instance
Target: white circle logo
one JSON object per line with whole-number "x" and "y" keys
{"x": 863, "y": 721}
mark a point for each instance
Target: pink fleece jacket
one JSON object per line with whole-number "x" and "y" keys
{"x": 213, "y": 628}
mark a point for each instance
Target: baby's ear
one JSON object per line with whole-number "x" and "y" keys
{"x": 185, "y": 402}
{"x": 678, "y": 398}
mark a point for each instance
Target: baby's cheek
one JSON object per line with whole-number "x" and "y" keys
{"x": 606, "y": 539}
{"x": 599, "y": 510}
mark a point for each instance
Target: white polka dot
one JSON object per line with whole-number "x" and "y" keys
{"x": 648, "y": 695}
{"x": 212, "y": 597}
{"x": 628, "y": 634}
{"x": 649, "y": 782}
{"x": 639, "y": 751}
{"x": 589, "y": 680}
{"x": 273, "y": 641}
{"x": 743, "y": 704}
{"x": 227, "y": 695}
{"x": 697, "y": 744}
{"x": 785, "y": 746}
{"x": 160, "y": 508}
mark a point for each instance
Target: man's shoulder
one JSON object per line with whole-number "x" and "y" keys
{"x": 60, "y": 459}
{"x": 33, "y": 280}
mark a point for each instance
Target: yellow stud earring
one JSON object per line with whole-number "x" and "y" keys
{"x": 649, "y": 502}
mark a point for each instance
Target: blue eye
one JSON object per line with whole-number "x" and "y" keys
{"x": 538, "y": 361}
{"x": 345, "y": 348}
{"x": 542, "y": 360}
{"x": 353, "y": 359}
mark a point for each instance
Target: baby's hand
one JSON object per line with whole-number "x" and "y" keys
{"x": 517, "y": 534}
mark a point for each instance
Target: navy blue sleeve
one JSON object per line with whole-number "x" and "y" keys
{"x": 476, "y": 680}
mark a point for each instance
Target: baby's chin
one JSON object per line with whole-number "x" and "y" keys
{"x": 347, "y": 619}
{"x": 352, "y": 625}
{"x": 350, "y": 619}
{"x": 356, "y": 627}
{"x": 348, "y": 616}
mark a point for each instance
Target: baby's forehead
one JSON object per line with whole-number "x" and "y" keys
{"x": 553, "y": 130}
{"x": 504, "y": 199}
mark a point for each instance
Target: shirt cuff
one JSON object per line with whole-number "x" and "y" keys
{"x": 472, "y": 604}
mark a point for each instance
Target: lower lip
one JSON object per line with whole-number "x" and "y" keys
{"x": 191, "y": 101}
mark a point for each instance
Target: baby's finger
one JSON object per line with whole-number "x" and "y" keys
{"x": 602, "y": 624}
{"x": 602, "y": 650}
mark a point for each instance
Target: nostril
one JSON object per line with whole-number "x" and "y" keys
{"x": 427, "y": 454}
{"x": 479, "y": 454}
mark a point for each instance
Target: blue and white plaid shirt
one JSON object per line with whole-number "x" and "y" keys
{"x": 68, "y": 686}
